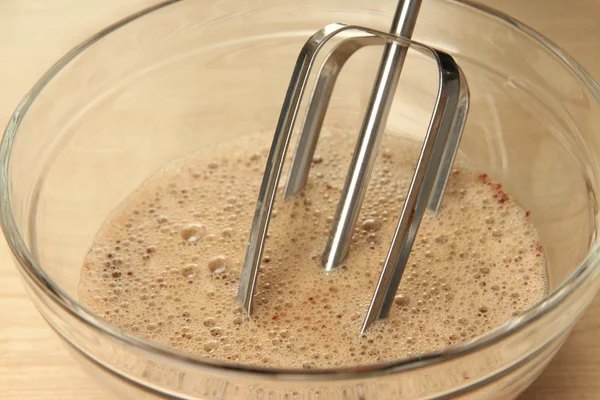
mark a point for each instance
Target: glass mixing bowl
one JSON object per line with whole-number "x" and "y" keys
{"x": 187, "y": 74}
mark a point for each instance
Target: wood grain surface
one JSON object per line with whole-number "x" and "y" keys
{"x": 34, "y": 33}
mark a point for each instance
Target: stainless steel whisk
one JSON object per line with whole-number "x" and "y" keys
{"x": 432, "y": 170}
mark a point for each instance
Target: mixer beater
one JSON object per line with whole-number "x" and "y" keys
{"x": 433, "y": 168}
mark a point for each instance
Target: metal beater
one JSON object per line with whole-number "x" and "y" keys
{"x": 432, "y": 170}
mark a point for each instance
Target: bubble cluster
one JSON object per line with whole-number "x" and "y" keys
{"x": 166, "y": 264}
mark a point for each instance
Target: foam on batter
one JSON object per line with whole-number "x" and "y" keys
{"x": 166, "y": 264}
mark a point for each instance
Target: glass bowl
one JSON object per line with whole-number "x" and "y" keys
{"x": 187, "y": 74}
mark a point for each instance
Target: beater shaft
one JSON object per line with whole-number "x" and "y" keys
{"x": 370, "y": 136}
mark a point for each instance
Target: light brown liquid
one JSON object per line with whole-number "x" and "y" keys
{"x": 166, "y": 264}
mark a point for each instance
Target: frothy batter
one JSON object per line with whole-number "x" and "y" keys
{"x": 166, "y": 264}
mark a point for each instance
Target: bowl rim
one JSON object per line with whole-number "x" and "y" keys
{"x": 36, "y": 275}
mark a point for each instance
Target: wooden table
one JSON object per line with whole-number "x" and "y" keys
{"x": 34, "y": 33}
